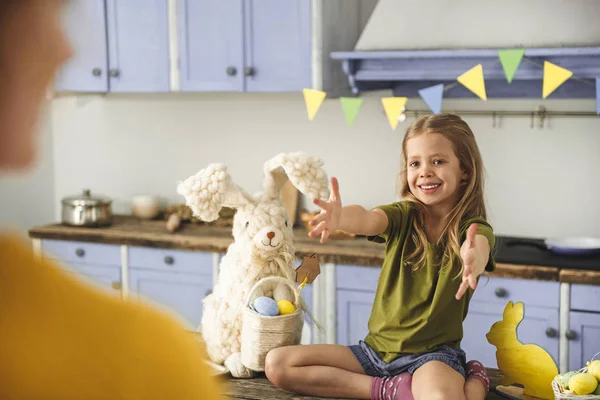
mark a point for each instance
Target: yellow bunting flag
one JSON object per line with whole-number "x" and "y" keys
{"x": 394, "y": 107}
{"x": 313, "y": 99}
{"x": 554, "y": 76}
{"x": 473, "y": 80}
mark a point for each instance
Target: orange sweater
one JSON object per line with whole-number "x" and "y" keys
{"x": 63, "y": 339}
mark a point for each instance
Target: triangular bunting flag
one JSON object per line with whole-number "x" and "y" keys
{"x": 554, "y": 76}
{"x": 433, "y": 97}
{"x": 313, "y": 99}
{"x": 351, "y": 105}
{"x": 598, "y": 96}
{"x": 393, "y": 106}
{"x": 473, "y": 80}
{"x": 510, "y": 59}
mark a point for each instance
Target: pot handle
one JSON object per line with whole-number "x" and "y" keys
{"x": 81, "y": 211}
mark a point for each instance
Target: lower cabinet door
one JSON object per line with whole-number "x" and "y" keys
{"x": 181, "y": 294}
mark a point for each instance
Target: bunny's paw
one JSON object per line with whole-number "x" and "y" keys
{"x": 237, "y": 369}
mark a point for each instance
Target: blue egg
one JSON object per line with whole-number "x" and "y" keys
{"x": 266, "y": 306}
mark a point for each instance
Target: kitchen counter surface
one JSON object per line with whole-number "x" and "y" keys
{"x": 260, "y": 388}
{"x": 515, "y": 261}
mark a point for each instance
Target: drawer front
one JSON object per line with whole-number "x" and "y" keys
{"x": 357, "y": 277}
{"x": 585, "y": 297}
{"x": 193, "y": 262}
{"x": 82, "y": 252}
{"x": 530, "y": 292}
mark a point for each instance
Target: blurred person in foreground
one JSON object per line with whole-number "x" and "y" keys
{"x": 60, "y": 338}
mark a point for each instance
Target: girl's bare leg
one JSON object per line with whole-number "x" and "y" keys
{"x": 437, "y": 380}
{"x": 474, "y": 390}
{"x": 325, "y": 370}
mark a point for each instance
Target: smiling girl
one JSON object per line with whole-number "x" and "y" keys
{"x": 437, "y": 243}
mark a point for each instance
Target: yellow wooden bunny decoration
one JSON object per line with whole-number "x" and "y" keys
{"x": 527, "y": 364}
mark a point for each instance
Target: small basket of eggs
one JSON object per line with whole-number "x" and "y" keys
{"x": 272, "y": 317}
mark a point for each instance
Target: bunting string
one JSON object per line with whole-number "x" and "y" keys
{"x": 472, "y": 79}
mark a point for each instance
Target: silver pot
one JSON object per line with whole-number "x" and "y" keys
{"x": 87, "y": 210}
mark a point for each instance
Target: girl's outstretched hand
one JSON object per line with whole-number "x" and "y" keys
{"x": 472, "y": 263}
{"x": 328, "y": 219}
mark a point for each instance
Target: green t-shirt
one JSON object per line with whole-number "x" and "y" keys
{"x": 417, "y": 311}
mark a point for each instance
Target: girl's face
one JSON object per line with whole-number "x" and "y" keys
{"x": 433, "y": 171}
{"x": 32, "y": 48}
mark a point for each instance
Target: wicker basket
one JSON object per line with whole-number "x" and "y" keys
{"x": 261, "y": 333}
{"x": 559, "y": 394}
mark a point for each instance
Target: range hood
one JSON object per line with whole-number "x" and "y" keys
{"x": 408, "y": 45}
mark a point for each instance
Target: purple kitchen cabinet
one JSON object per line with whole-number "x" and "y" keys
{"x": 85, "y": 26}
{"x": 277, "y": 44}
{"x": 211, "y": 54}
{"x": 585, "y": 298}
{"x": 244, "y": 45}
{"x": 353, "y": 312}
{"x": 138, "y": 46}
{"x": 583, "y": 334}
{"x": 355, "y": 293}
{"x": 178, "y": 293}
{"x": 106, "y": 277}
{"x": 175, "y": 279}
{"x": 119, "y": 46}
{"x": 584, "y": 338}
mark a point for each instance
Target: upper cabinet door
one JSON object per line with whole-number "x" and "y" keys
{"x": 210, "y": 45}
{"x": 138, "y": 42}
{"x": 278, "y": 45}
{"x": 85, "y": 26}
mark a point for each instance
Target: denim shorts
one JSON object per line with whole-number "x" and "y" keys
{"x": 374, "y": 366}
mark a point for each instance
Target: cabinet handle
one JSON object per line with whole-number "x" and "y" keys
{"x": 96, "y": 72}
{"x": 571, "y": 335}
{"x": 249, "y": 71}
{"x": 114, "y": 73}
{"x": 80, "y": 252}
{"x": 169, "y": 260}
{"x": 500, "y": 292}
{"x": 231, "y": 71}
{"x": 116, "y": 285}
{"x": 551, "y": 332}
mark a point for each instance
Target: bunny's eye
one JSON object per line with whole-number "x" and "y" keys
{"x": 247, "y": 223}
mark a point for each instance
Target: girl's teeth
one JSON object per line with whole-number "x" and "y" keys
{"x": 429, "y": 187}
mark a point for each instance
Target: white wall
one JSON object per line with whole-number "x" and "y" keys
{"x": 27, "y": 198}
{"x": 541, "y": 182}
{"x": 437, "y": 24}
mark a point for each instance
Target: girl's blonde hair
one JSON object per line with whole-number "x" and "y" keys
{"x": 470, "y": 202}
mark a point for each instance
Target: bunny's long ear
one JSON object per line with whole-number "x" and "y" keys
{"x": 304, "y": 171}
{"x": 209, "y": 190}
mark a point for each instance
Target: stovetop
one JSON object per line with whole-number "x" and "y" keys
{"x": 530, "y": 251}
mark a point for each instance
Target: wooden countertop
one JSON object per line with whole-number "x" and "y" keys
{"x": 127, "y": 230}
{"x": 260, "y": 388}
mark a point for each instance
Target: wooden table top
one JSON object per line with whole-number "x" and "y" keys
{"x": 127, "y": 230}
{"x": 260, "y": 388}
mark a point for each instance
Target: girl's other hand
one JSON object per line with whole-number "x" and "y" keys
{"x": 328, "y": 219}
{"x": 469, "y": 255}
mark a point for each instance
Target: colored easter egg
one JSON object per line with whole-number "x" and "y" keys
{"x": 266, "y": 306}
{"x": 285, "y": 307}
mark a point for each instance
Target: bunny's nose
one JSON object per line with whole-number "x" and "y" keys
{"x": 270, "y": 235}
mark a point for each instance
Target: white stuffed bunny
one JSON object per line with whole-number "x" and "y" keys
{"x": 263, "y": 242}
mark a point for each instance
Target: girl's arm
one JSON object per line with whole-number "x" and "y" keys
{"x": 475, "y": 253}
{"x": 352, "y": 219}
